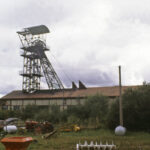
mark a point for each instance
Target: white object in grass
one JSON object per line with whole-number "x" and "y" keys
{"x": 120, "y": 130}
{"x": 10, "y": 128}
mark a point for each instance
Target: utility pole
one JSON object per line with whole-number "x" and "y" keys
{"x": 120, "y": 130}
{"x": 120, "y": 99}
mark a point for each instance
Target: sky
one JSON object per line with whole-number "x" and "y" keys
{"x": 88, "y": 40}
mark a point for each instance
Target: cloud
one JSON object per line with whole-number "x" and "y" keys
{"x": 10, "y": 80}
{"x": 1, "y": 95}
{"x": 88, "y": 38}
{"x": 90, "y": 77}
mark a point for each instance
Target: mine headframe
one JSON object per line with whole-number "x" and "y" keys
{"x": 33, "y": 41}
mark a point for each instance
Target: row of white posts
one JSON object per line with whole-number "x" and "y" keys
{"x": 95, "y": 146}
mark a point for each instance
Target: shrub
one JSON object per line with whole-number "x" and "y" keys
{"x": 113, "y": 115}
{"x": 93, "y": 111}
{"x": 136, "y": 109}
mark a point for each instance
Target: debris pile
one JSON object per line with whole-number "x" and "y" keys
{"x": 69, "y": 128}
{"x": 39, "y": 127}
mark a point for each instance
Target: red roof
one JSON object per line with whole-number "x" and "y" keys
{"x": 67, "y": 93}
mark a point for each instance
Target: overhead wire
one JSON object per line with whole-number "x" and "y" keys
{"x": 66, "y": 75}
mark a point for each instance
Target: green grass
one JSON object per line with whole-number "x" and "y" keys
{"x": 68, "y": 141}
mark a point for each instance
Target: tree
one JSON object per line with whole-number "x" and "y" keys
{"x": 136, "y": 109}
{"x": 98, "y": 109}
{"x": 113, "y": 115}
{"x": 29, "y": 112}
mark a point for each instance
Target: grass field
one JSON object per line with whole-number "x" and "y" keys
{"x": 68, "y": 141}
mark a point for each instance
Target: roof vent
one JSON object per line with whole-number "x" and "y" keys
{"x": 81, "y": 85}
{"x": 74, "y": 85}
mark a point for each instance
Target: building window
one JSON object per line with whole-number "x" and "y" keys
{"x": 79, "y": 102}
{"x": 4, "y": 107}
{"x": 64, "y": 101}
{"x": 16, "y": 107}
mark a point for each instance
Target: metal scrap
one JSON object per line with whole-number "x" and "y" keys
{"x": 39, "y": 127}
{"x": 95, "y": 145}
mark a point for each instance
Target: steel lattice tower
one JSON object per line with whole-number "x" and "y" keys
{"x": 33, "y": 40}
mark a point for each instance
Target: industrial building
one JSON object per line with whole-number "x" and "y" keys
{"x": 62, "y": 98}
{"x": 35, "y": 66}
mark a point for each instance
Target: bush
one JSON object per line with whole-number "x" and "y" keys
{"x": 113, "y": 115}
{"x": 92, "y": 112}
{"x": 136, "y": 109}
{"x": 39, "y": 113}
{"x": 29, "y": 112}
{"x": 3, "y": 115}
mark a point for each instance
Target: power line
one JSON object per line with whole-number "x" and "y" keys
{"x": 62, "y": 68}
